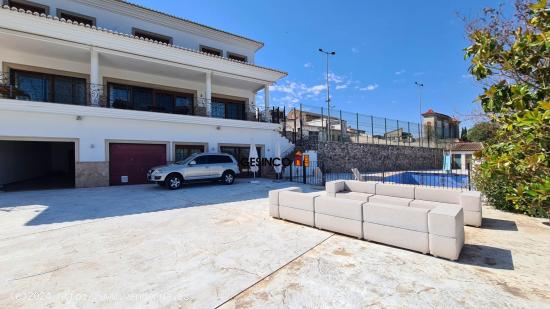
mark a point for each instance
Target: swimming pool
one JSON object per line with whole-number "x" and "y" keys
{"x": 448, "y": 180}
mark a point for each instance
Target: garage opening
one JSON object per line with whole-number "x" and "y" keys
{"x": 29, "y": 165}
{"x": 129, "y": 163}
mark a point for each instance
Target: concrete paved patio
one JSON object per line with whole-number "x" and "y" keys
{"x": 211, "y": 245}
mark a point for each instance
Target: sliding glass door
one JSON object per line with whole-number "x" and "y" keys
{"x": 148, "y": 99}
{"x": 49, "y": 88}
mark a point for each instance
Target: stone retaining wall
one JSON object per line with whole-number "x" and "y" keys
{"x": 342, "y": 157}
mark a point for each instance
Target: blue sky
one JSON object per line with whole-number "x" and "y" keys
{"x": 382, "y": 47}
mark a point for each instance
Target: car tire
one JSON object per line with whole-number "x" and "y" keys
{"x": 228, "y": 177}
{"x": 174, "y": 181}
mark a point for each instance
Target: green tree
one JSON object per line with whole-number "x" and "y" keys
{"x": 512, "y": 58}
{"x": 482, "y": 131}
{"x": 464, "y": 134}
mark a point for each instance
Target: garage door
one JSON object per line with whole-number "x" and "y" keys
{"x": 129, "y": 163}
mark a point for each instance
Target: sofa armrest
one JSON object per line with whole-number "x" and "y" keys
{"x": 471, "y": 201}
{"x": 274, "y": 200}
{"x": 333, "y": 187}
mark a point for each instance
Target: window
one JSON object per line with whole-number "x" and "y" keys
{"x": 220, "y": 159}
{"x": 152, "y": 36}
{"x": 148, "y": 99}
{"x": 228, "y": 109}
{"x": 184, "y": 151}
{"x": 87, "y": 20}
{"x": 211, "y": 50}
{"x": 49, "y": 88}
{"x": 29, "y": 6}
{"x": 236, "y": 57}
{"x": 202, "y": 160}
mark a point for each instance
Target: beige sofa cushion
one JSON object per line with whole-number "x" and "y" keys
{"x": 409, "y": 218}
{"x": 297, "y": 215}
{"x": 337, "y": 207}
{"x": 472, "y": 218}
{"x": 449, "y": 196}
{"x": 358, "y": 196}
{"x": 296, "y": 200}
{"x": 395, "y": 190}
{"x": 446, "y": 221}
{"x": 429, "y": 204}
{"x": 332, "y": 187}
{"x": 274, "y": 200}
{"x": 395, "y": 236}
{"x": 471, "y": 200}
{"x": 383, "y": 199}
{"x": 368, "y": 187}
{"x": 339, "y": 225}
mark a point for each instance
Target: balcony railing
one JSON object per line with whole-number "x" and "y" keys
{"x": 94, "y": 95}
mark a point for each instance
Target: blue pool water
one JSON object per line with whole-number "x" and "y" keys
{"x": 430, "y": 179}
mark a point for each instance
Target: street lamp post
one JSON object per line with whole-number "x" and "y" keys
{"x": 420, "y": 86}
{"x": 328, "y": 92}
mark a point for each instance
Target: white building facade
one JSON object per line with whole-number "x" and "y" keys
{"x": 101, "y": 90}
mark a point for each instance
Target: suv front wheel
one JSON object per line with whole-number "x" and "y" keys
{"x": 228, "y": 177}
{"x": 174, "y": 181}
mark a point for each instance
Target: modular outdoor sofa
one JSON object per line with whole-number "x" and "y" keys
{"x": 384, "y": 218}
{"x": 407, "y": 195}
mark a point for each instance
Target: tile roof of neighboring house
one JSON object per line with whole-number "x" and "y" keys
{"x": 15, "y": 9}
{"x": 467, "y": 146}
{"x": 430, "y": 112}
{"x": 190, "y": 21}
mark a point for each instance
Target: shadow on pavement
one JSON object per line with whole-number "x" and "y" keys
{"x": 486, "y": 256}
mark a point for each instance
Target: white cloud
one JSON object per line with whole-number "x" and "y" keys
{"x": 308, "y": 65}
{"x": 344, "y": 86}
{"x": 370, "y": 87}
{"x": 296, "y": 92}
{"x": 355, "y": 50}
{"x": 400, "y": 72}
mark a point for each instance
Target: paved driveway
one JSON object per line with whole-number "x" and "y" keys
{"x": 211, "y": 245}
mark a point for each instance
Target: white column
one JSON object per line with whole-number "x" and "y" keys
{"x": 96, "y": 88}
{"x": 266, "y": 102}
{"x": 463, "y": 162}
{"x": 208, "y": 94}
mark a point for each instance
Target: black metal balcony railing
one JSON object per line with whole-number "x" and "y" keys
{"x": 74, "y": 92}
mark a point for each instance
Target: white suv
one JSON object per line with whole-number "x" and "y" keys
{"x": 199, "y": 166}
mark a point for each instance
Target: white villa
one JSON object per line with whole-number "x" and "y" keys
{"x": 95, "y": 92}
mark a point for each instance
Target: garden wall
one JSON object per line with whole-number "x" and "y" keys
{"x": 341, "y": 157}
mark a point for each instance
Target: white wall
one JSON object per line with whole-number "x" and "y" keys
{"x": 124, "y": 23}
{"x": 93, "y": 132}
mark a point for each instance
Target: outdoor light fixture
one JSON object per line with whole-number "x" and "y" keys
{"x": 420, "y": 86}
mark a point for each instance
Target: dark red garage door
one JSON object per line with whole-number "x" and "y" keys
{"x": 129, "y": 163}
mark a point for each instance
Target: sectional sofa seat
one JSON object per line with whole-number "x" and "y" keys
{"x": 436, "y": 230}
{"x": 469, "y": 201}
{"x": 297, "y": 206}
{"x": 399, "y": 226}
{"x": 343, "y": 216}
{"x": 351, "y": 189}
{"x": 406, "y": 195}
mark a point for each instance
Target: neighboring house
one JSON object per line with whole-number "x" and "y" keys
{"x": 98, "y": 91}
{"x": 314, "y": 125}
{"x": 462, "y": 154}
{"x": 439, "y": 126}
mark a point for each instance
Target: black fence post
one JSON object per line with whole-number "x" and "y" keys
{"x": 398, "y": 136}
{"x": 357, "y": 127}
{"x": 323, "y": 176}
{"x": 341, "y": 128}
{"x": 322, "y": 120}
{"x": 290, "y": 166}
{"x": 409, "y": 131}
{"x": 294, "y": 130}
{"x": 301, "y": 125}
{"x": 420, "y": 135}
{"x": 304, "y": 171}
{"x": 386, "y": 130}
{"x": 284, "y": 121}
{"x": 372, "y": 128}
